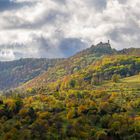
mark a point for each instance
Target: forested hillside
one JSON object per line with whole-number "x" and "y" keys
{"x": 83, "y": 60}
{"x": 100, "y": 71}
{"x": 94, "y": 103}
{"x": 94, "y": 95}
{"x": 73, "y": 64}
{"x": 14, "y": 73}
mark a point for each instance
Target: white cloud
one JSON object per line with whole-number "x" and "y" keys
{"x": 45, "y": 24}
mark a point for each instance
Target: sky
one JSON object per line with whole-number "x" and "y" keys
{"x": 60, "y": 28}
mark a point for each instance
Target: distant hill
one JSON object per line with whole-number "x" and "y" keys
{"x": 130, "y": 51}
{"x": 14, "y": 73}
{"x": 73, "y": 64}
{"x": 35, "y": 72}
{"x": 78, "y": 62}
{"x": 100, "y": 49}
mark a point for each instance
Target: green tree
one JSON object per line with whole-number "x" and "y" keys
{"x": 72, "y": 83}
{"x": 115, "y": 78}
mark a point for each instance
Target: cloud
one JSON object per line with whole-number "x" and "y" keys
{"x": 8, "y": 5}
{"x": 70, "y": 46}
{"x": 60, "y": 28}
{"x": 97, "y": 4}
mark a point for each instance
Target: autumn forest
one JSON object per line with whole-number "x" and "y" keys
{"x": 93, "y": 95}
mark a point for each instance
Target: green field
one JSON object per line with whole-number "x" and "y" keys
{"x": 133, "y": 81}
{"x": 129, "y": 84}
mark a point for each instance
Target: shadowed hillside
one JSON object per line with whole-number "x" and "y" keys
{"x": 14, "y": 73}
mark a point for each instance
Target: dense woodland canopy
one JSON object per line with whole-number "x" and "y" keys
{"x": 90, "y": 96}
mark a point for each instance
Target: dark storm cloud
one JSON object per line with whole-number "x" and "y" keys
{"x": 67, "y": 47}
{"x": 70, "y": 46}
{"x": 42, "y": 47}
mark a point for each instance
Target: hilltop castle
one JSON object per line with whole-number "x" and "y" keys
{"x": 101, "y": 44}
